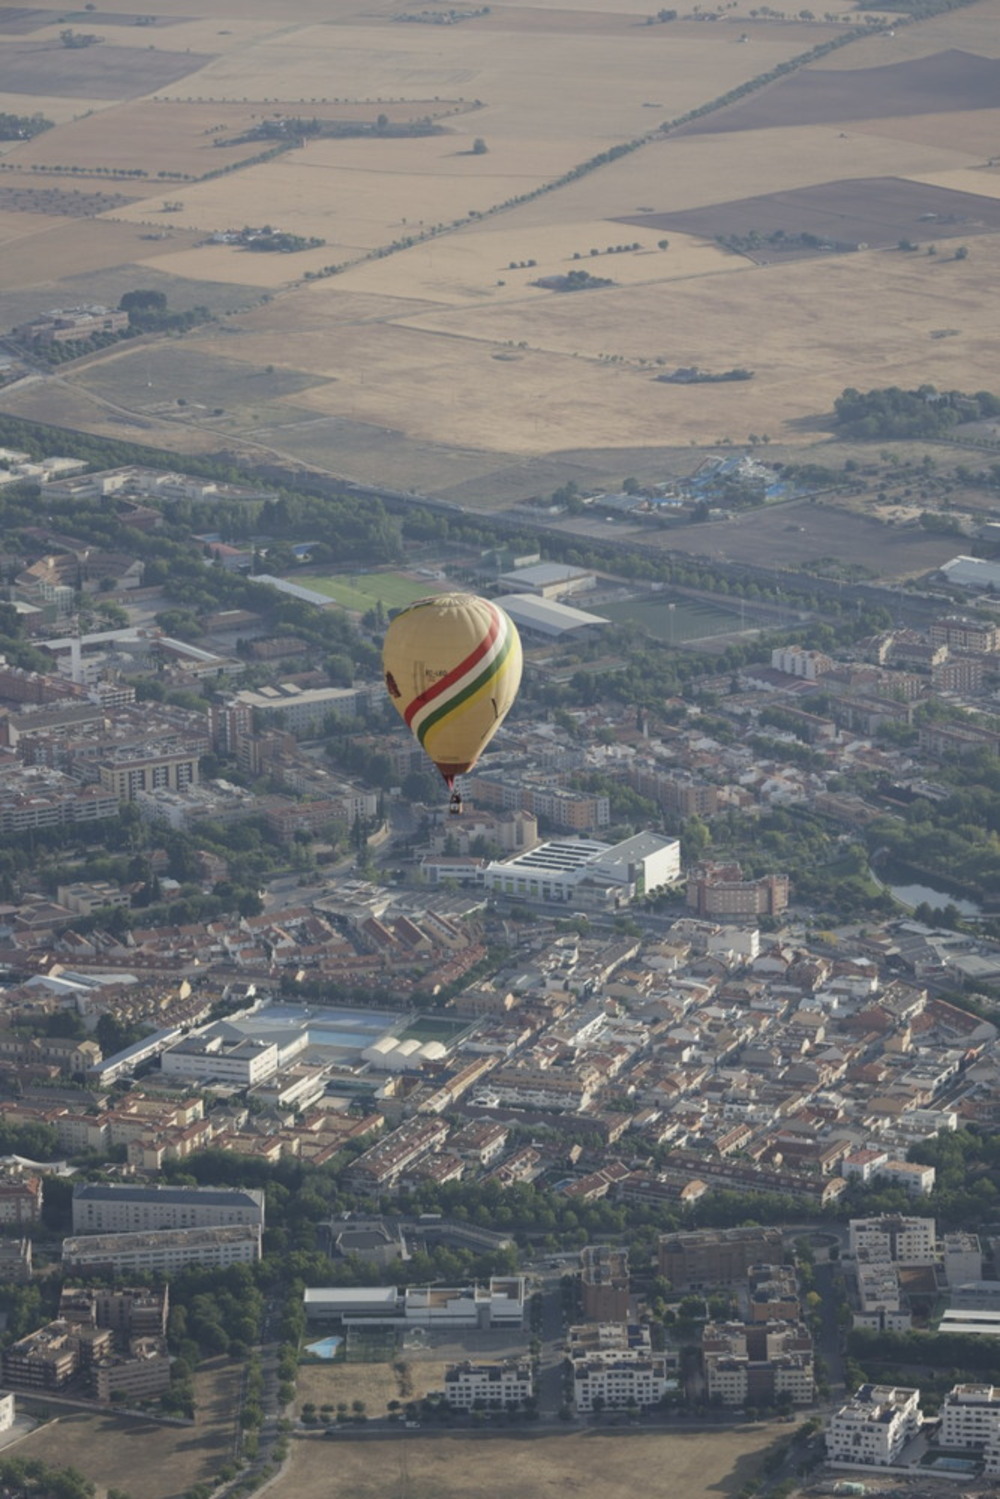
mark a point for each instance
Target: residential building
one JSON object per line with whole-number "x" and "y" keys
{"x": 604, "y": 1283}
{"x": 796, "y": 661}
{"x": 872, "y": 1429}
{"x": 964, "y": 633}
{"x": 144, "y": 1374}
{"x": 20, "y": 1199}
{"x": 758, "y": 1363}
{"x": 962, "y": 1257}
{"x": 164, "y": 1252}
{"x": 970, "y": 1415}
{"x": 100, "y": 1208}
{"x": 469, "y": 1386}
{"x": 709, "y": 1257}
{"x": 614, "y": 1366}
{"x": 15, "y": 1263}
{"x": 130, "y": 772}
{"x": 901, "y": 1240}
{"x": 719, "y": 890}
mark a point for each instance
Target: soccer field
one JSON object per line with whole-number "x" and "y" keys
{"x": 362, "y": 591}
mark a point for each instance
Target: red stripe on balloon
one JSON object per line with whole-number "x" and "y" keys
{"x": 430, "y": 693}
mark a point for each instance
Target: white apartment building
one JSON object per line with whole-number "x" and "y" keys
{"x": 798, "y": 662}
{"x": 915, "y": 1179}
{"x": 620, "y": 1377}
{"x": 873, "y": 1428}
{"x": 970, "y": 1415}
{"x": 894, "y": 1239}
{"x": 100, "y": 1208}
{"x": 163, "y": 1253}
{"x": 963, "y": 1258}
{"x": 469, "y": 1386}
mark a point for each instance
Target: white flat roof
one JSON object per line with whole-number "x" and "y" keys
{"x": 349, "y": 1296}
{"x": 545, "y": 614}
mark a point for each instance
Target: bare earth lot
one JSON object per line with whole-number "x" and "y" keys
{"x": 872, "y": 211}
{"x": 951, "y": 80}
{"x": 588, "y": 1465}
{"x": 142, "y": 1457}
{"x": 104, "y": 72}
{"x": 375, "y": 1384}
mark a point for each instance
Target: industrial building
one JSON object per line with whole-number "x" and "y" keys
{"x": 546, "y": 619}
{"x": 556, "y": 871}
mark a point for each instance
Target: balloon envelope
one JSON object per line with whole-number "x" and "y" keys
{"x": 452, "y": 668}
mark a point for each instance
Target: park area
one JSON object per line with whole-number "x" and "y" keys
{"x": 585, "y": 1464}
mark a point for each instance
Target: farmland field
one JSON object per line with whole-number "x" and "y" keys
{"x": 589, "y": 1465}
{"x": 876, "y": 212}
{"x": 412, "y": 345}
{"x": 363, "y": 590}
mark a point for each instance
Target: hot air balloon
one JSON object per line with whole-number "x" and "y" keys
{"x": 452, "y": 667}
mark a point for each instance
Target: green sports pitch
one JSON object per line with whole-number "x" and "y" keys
{"x": 362, "y": 591}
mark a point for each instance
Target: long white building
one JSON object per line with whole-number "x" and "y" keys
{"x": 101, "y": 1208}
{"x": 469, "y": 1386}
{"x": 873, "y": 1428}
{"x": 556, "y": 870}
{"x": 164, "y": 1252}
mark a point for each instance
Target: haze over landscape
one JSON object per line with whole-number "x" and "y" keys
{"x": 637, "y": 1128}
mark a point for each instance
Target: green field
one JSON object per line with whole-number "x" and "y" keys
{"x": 362, "y": 591}
{"x": 687, "y": 619}
{"x": 429, "y": 1028}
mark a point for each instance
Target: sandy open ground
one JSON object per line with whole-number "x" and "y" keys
{"x": 589, "y": 1465}
{"x": 375, "y": 1384}
{"x": 146, "y": 1459}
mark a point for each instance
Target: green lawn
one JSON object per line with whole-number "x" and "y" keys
{"x": 689, "y": 619}
{"x": 429, "y": 1028}
{"x": 361, "y": 591}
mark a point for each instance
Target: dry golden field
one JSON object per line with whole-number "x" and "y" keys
{"x": 375, "y": 1384}
{"x": 589, "y": 1465}
{"x": 441, "y": 364}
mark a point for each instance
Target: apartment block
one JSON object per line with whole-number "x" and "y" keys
{"x": 604, "y": 1283}
{"x": 872, "y": 1429}
{"x": 469, "y": 1386}
{"x": 614, "y": 1366}
{"x": 381, "y": 1166}
{"x": 896, "y": 1239}
{"x": 758, "y": 1363}
{"x": 719, "y": 890}
{"x": 128, "y": 773}
{"x": 20, "y": 1199}
{"x": 163, "y": 1252}
{"x": 970, "y": 1415}
{"x": 100, "y": 1208}
{"x": 707, "y": 1257}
